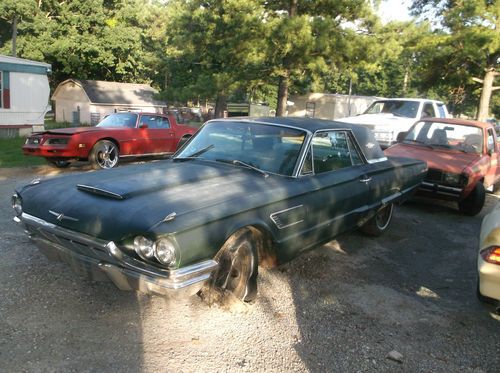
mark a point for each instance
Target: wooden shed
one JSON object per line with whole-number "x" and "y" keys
{"x": 88, "y": 101}
{"x": 24, "y": 95}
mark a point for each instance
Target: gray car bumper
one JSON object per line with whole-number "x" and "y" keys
{"x": 100, "y": 260}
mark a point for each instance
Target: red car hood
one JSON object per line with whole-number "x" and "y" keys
{"x": 73, "y": 130}
{"x": 437, "y": 158}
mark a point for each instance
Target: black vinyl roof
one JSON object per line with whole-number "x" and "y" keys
{"x": 363, "y": 135}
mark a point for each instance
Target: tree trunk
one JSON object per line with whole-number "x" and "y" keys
{"x": 282, "y": 95}
{"x": 285, "y": 79}
{"x": 14, "y": 35}
{"x": 220, "y": 106}
{"x": 484, "y": 102}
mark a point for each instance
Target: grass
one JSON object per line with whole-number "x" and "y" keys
{"x": 12, "y": 155}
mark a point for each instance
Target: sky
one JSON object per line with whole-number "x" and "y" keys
{"x": 392, "y": 10}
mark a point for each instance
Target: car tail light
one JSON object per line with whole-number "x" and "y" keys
{"x": 491, "y": 254}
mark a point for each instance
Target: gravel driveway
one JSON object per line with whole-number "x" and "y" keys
{"x": 342, "y": 307}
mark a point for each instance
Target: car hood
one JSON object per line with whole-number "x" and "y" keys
{"x": 112, "y": 204}
{"x": 436, "y": 158}
{"x": 379, "y": 120}
{"x": 74, "y": 130}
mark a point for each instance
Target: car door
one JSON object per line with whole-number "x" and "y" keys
{"x": 157, "y": 134}
{"x": 338, "y": 183}
{"x": 493, "y": 173}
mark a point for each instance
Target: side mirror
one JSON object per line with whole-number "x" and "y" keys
{"x": 143, "y": 125}
{"x": 401, "y": 136}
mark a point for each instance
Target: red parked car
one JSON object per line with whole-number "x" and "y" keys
{"x": 118, "y": 135}
{"x": 463, "y": 159}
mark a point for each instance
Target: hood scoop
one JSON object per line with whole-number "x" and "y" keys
{"x": 99, "y": 191}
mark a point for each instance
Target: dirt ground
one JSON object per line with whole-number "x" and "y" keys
{"x": 339, "y": 308}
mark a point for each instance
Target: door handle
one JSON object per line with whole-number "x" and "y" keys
{"x": 365, "y": 179}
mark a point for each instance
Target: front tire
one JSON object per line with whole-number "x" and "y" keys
{"x": 380, "y": 222}
{"x": 474, "y": 202}
{"x": 238, "y": 266}
{"x": 104, "y": 155}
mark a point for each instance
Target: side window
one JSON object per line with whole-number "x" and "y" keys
{"x": 155, "y": 122}
{"x": 307, "y": 168}
{"x": 332, "y": 151}
{"x": 442, "y": 112}
{"x": 491, "y": 140}
{"x": 428, "y": 111}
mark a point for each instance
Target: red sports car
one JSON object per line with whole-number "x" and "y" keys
{"x": 118, "y": 135}
{"x": 463, "y": 158}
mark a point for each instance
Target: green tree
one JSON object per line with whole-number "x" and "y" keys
{"x": 214, "y": 48}
{"x": 465, "y": 49}
{"x": 309, "y": 39}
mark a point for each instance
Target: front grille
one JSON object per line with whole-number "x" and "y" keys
{"x": 434, "y": 175}
{"x": 74, "y": 241}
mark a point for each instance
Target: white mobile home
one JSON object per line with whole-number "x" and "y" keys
{"x": 328, "y": 106}
{"x": 24, "y": 95}
{"x": 88, "y": 101}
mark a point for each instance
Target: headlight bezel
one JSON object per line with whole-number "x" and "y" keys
{"x": 162, "y": 252}
{"x": 17, "y": 204}
{"x": 454, "y": 179}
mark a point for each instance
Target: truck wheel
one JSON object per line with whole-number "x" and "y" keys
{"x": 104, "y": 155}
{"x": 380, "y": 222}
{"x": 238, "y": 266}
{"x": 474, "y": 202}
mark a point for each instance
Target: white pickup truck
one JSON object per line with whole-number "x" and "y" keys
{"x": 388, "y": 117}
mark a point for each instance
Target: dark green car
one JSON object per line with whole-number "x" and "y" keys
{"x": 241, "y": 193}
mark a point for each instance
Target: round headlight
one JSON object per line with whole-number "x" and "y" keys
{"x": 165, "y": 251}
{"x": 144, "y": 247}
{"x": 17, "y": 204}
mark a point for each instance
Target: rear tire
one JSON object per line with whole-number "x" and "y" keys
{"x": 104, "y": 155}
{"x": 474, "y": 202}
{"x": 380, "y": 222}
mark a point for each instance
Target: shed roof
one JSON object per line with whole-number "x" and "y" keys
{"x": 22, "y": 61}
{"x": 115, "y": 93}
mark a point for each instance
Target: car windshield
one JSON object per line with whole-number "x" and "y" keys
{"x": 463, "y": 138}
{"x": 399, "y": 108}
{"x": 119, "y": 120}
{"x": 263, "y": 147}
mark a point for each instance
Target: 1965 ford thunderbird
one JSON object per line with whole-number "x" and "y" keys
{"x": 241, "y": 193}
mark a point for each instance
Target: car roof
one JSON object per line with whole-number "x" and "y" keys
{"x": 307, "y": 124}
{"x": 364, "y": 136}
{"x": 464, "y": 122}
{"x": 410, "y": 99}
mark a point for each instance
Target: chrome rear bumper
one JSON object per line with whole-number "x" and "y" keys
{"x": 99, "y": 260}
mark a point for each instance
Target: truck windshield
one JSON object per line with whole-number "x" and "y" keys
{"x": 408, "y": 109}
{"x": 467, "y": 139}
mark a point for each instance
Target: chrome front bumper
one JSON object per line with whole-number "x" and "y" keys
{"x": 441, "y": 189}
{"x": 101, "y": 260}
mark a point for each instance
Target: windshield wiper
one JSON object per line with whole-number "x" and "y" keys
{"x": 195, "y": 154}
{"x": 244, "y": 164}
